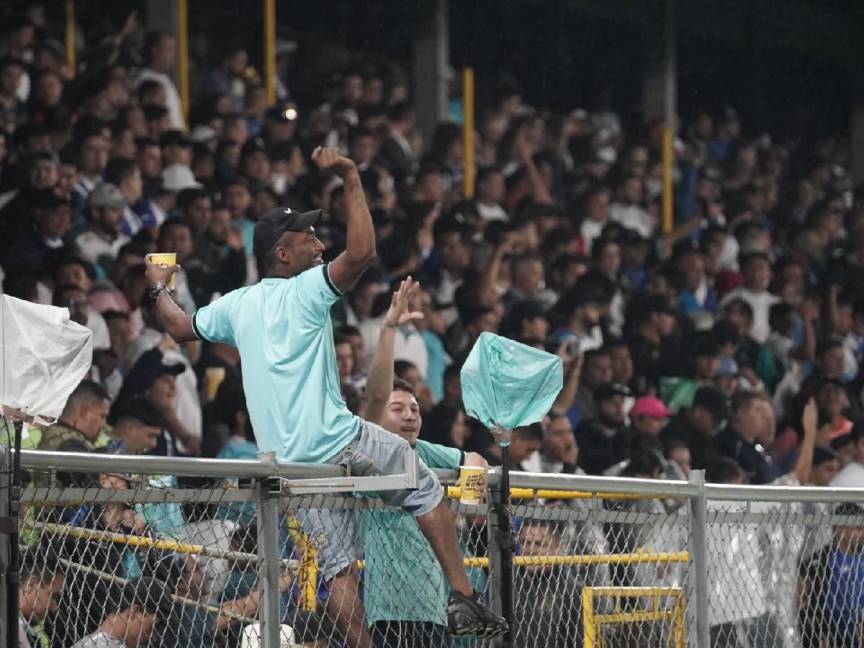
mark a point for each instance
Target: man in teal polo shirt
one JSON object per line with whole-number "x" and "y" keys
{"x": 396, "y": 552}
{"x": 283, "y": 331}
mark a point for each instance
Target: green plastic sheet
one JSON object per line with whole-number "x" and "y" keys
{"x": 506, "y": 384}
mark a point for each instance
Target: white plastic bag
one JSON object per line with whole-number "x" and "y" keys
{"x": 43, "y": 357}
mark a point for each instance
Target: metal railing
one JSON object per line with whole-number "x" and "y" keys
{"x": 598, "y": 561}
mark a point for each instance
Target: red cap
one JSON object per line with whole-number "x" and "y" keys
{"x": 650, "y": 406}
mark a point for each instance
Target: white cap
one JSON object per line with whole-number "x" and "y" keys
{"x": 177, "y": 177}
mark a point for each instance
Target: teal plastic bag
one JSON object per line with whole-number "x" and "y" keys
{"x": 506, "y": 384}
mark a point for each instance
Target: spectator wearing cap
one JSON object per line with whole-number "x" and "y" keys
{"x": 176, "y": 178}
{"x": 134, "y": 607}
{"x": 176, "y": 148}
{"x": 654, "y": 322}
{"x": 102, "y": 240}
{"x": 137, "y": 426}
{"x": 756, "y": 271}
{"x": 695, "y": 426}
{"x": 49, "y": 230}
{"x": 649, "y": 415}
{"x": 748, "y": 435}
{"x": 696, "y": 293}
{"x": 254, "y": 161}
{"x": 601, "y": 439}
{"x": 154, "y": 377}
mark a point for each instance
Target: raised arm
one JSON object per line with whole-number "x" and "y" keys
{"x": 810, "y": 423}
{"x": 171, "y": 317}
{"x": 360, "y": 251}
{"x": 379, "y": 381}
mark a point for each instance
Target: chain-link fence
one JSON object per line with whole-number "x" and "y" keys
{"x": 112, "y": 555}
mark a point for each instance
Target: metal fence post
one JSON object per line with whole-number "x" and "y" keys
{"x": 269, "y": 563}
{"x": 500, "y": 549}
{"x": 5, "y": 483}
{"x": 697, "y": 583}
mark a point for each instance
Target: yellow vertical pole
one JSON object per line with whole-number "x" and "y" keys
{"x": 468, "y": 129}
{"x": 587, "y": 618}
{"x": 183, "y": 55}
{"x": 308, "y": 575}
{"x": 667, "y": 178}
{"x": 270, "y": 50}
{"x": 70, "y": 39}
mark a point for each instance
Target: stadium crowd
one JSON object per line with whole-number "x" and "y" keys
{"x": 696, "y": 348}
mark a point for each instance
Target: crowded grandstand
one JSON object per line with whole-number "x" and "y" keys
{"x": 727, "y": 339}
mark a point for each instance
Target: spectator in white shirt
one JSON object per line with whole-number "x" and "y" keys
{"x": 596, "y": 216}
{"x": 490, "y": 193}
{"x": 160, "y": 50}
{"x": 756, "y": 268}
{"x": 852, "y": 475}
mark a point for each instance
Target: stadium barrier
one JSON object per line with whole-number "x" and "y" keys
{"x": 598, "y": 562}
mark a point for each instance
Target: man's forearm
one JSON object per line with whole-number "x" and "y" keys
{"x": 379, "y": 381}
{"x": 361, "y": 231}
{"x": 173, "y": 319}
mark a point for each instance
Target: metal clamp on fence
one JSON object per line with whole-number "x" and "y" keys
{"x": 406, "y": 480}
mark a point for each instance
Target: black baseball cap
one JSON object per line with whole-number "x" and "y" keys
{"x": 153, "y": 595}
{"x": 610, "y": 390}
{"x": 713, "y": 400}
{"x": 146, "y": 370}
{"x": 140, "y": 409}
{"x": 276, "y": 222}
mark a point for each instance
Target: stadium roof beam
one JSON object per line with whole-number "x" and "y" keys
{"x": 431, "y": 65}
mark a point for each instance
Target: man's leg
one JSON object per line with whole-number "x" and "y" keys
{"x": 346, "y": 610}
{"x": 437, "y": 525}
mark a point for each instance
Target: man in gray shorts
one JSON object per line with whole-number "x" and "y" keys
{"x": 283, "y": 331}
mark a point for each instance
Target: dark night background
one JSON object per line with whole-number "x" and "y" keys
{"x": 787, "y": 67}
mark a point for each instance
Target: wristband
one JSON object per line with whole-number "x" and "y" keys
{"x": 158, "y": 289}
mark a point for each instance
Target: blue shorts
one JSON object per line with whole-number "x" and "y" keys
{"x": 374, "y": 451}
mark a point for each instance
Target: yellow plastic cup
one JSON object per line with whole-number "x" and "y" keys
{"x": 472, "y": 482}
{"x": 213, "y": 377}
{"x": 165, "y": 258}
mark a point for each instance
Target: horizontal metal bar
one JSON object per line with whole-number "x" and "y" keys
{"x": 592, "y": 483}
{"x": 78, "y": 496}
{"x": 783, "y": 493}
{"x": 347, "y": 484}
{"x": 185, "y": 466}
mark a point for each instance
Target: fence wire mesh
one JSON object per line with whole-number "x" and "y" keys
{"x": 606, "y": 572}
{"x": 783, "y": 575}
{"x": 159, "y": 562}
{"x": 140, "y": 561}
